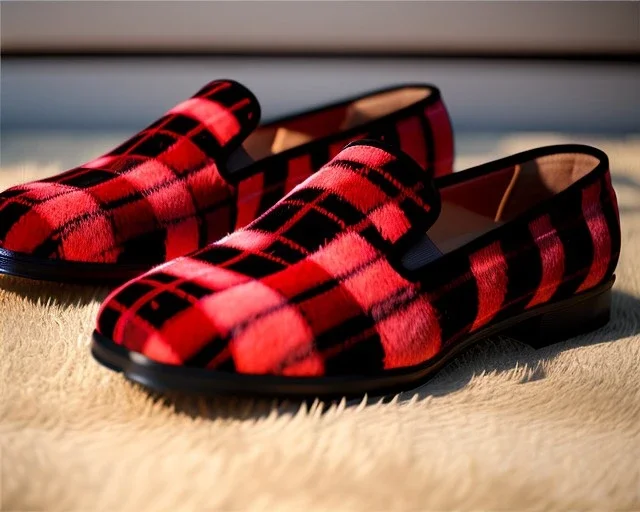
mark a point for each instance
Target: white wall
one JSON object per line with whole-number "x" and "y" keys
{"x": 451, "y": 26}
{"x": 482, "y": 94}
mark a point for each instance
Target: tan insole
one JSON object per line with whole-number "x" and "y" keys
{"x": 270, "y": 140}
{"x": 529, "y": 184}
{"x": 287, "y": 139}
{"x": 457, "y": 226}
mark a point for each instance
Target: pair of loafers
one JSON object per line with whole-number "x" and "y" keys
{"x": 348, "y": 269}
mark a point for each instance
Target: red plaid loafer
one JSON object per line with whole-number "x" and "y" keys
{"x": 201, "y": 171}
{"x": 369, "y": 276}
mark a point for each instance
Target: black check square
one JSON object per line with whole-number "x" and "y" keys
{"x": 255, "y": 266}
{"x": 164, "y": 306}
{"x": 217, "y": 254}
{"x": 161, "y": 277}
{"x": 226, "y": 96}
{"x": 383, "y": 183}
{"x": 107, "y": 321}
{"x": 306, "y": 195}
{"x": 139, "y": 249}
{"x": 86, "y": 178}
{"x": 401, "y": 172}
{"x": 180, "y": 124}
{"x": 342, "y": 209}
{"x": 276, "y": 218}
{"x": 284, "y": 252}
{"x": 312, "y": 230}
{"x": 194, "y": 290}
{"x": 9, "y": 215}
{"x": 154, "y": 145}
{"x": 207, "y": 143}
{"x": 129, "y": 294}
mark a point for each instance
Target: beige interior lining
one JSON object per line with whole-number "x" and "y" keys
{"x": 379, "y": 105}
{"x": 457, "y": 226}
{"x": 274, "y": 139}
{"x": 530, "y": 183}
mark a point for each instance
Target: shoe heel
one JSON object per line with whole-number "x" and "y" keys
{"x": 577, "y": 317}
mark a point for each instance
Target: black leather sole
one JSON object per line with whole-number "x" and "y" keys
{"x": 539, "y": 327}
{"x": 27, "y": 266}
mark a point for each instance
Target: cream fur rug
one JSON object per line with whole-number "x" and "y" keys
{"x": 503, "y": 427}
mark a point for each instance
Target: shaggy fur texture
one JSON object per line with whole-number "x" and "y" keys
{"x": 503, "y": 427}
{"x": 312, "y": 287}
{"x": 165, "y": 192}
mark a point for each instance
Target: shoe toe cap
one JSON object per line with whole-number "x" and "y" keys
{"x": 247, "y": 327}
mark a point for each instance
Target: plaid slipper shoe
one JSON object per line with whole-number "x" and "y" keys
{"x": 367, "y": 277}
{"x": 200, "y": 172}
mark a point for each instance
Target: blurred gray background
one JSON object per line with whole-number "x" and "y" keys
{"x": 110, "y": 68}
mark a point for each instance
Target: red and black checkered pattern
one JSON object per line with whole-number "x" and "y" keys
{"x": 569, "y": 246}
{"x": 423, "y": 132}
{"x": 155, "y": 197}
{"x": 314, "y": 287}
{"x": 166, "y": 191}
